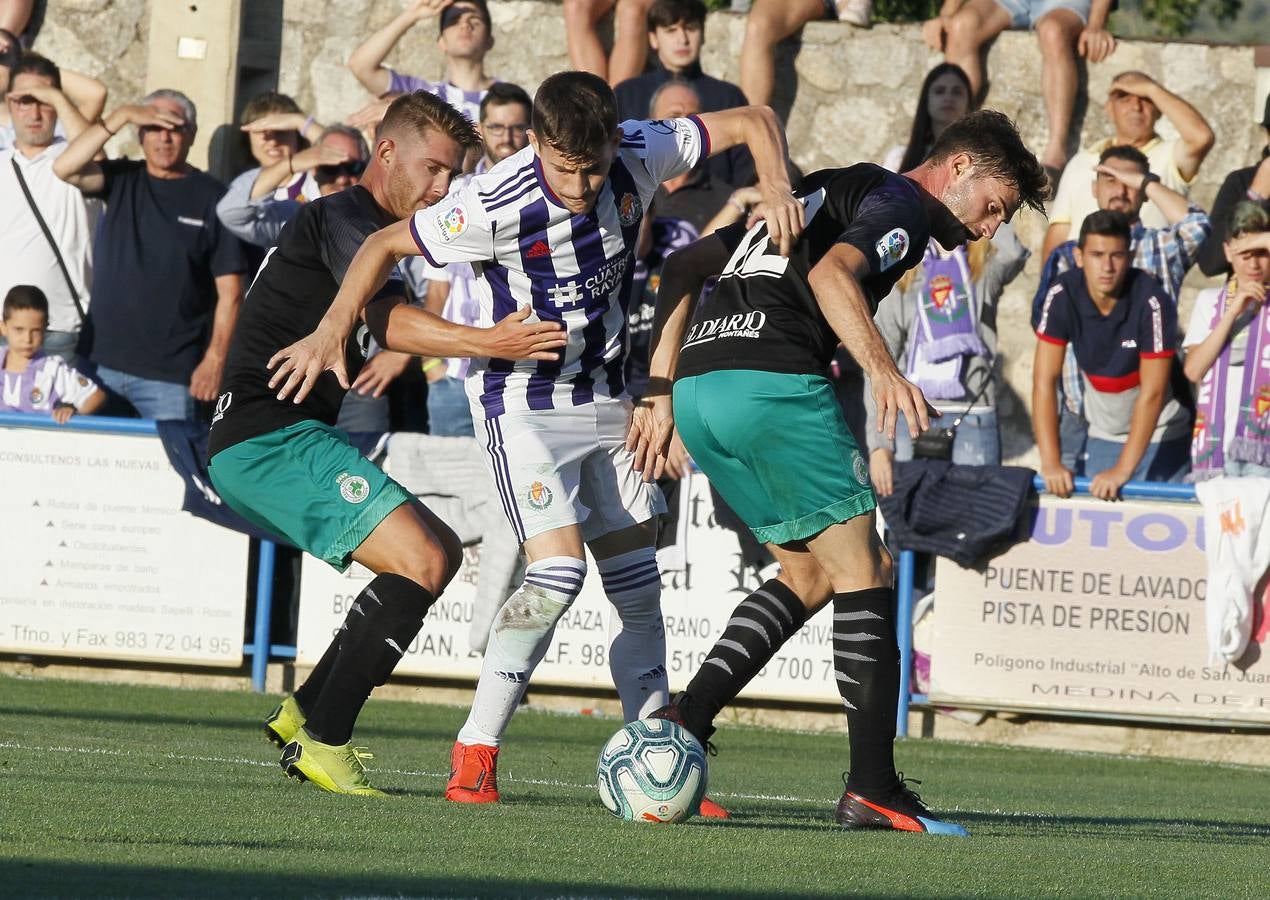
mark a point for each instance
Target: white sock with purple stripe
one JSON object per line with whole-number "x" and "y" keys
{"x": 637, "y": 635}
{"x": 518, "y": 640}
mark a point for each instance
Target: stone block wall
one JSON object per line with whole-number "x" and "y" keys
{"x": 848, "y": 95}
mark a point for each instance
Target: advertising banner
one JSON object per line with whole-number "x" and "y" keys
{"x": 100, "y": 560}
{"x": 1102, "y": 611}
{"x": 697, "y": 603}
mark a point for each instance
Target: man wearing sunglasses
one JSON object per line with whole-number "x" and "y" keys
{"x": 167, "y": 276}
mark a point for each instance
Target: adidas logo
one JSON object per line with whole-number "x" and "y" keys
{"x": 539, "y": 249}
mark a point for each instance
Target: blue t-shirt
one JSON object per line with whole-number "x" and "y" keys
{"x": 1109, "y": 348}
{"x": 159, "y": 248}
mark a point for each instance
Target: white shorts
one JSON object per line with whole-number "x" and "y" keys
{"x": 568, "y": 466}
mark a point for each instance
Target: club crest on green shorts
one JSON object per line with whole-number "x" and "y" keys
{"x": 353, "y": 488}
{"x": 860, "y": 469}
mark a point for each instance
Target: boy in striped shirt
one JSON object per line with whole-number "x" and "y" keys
{"x": 554, "y": 228}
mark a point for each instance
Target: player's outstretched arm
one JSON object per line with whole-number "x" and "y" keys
{"x": 835, "y": 280}
{"x": 758, "y": 128}
{"x": 410, "y": 329}
{"x": 296, "y": 368}
{"x": 682, "y": 279}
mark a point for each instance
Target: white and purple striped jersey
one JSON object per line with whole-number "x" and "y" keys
{"x": 46, "y": 382}
{"x": 466, "y": 102}
{"x": 527, "y": 249}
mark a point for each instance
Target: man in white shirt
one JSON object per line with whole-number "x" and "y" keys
{"x": 36, "y": 104}
{"x": 1134, "y": 104}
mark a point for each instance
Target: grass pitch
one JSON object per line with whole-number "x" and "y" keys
{"x": 132, "y": 791}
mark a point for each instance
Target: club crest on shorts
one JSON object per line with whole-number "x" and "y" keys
{"x": 37, "y": 396}
{"x": 629, "y": 210}
{"x": 891, "y": 248}
{"x": 353, "y": 488}
{"x": 860, "y": 469}
{"x": 539, "y": 496}
{"x": 452, "y": 223}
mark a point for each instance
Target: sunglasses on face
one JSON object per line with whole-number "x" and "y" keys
{"x": 353, "y": 168}
{"x": 148, "y": 129}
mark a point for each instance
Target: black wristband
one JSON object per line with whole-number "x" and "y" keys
{"x": 1148, "y": 179}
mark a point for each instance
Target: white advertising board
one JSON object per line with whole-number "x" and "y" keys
{"x": 101, "y": 562}
{"x": 696, "y": 602}
{"x": 1102, "y": 611}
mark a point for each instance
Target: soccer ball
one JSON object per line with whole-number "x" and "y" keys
{"x": 652, "y": 771}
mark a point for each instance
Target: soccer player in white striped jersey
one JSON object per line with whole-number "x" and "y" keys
{"x": 554, "y": 227}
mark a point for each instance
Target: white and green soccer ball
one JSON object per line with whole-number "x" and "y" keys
{"x": 652, "y": 771}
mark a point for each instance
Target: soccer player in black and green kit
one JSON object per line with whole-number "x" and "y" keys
{"x": 282, "y": 464}
{"x": 756, "y": 412}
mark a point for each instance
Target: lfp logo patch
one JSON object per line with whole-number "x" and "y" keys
{"x": 452, "y": 223}
{"x": 539, "y": 496}
{"x": 891, "y": 248}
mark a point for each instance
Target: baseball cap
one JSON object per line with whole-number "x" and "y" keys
{"x": 452, "y": 13}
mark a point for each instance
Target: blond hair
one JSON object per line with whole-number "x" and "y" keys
{"x": 419, "y": 111}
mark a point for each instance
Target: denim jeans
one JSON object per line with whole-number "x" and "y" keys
{"x": 150, "y": 398}
{"x": 978, "y": 440}
{"x": 448, "y": 412}
{"x": 361, "y": 413}
{"x": 1073, "y": 436}
{"x": 1165, "y": 461}
{"x": 1237, "y": 468}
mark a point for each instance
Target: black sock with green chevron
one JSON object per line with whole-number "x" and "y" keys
{"x": 380, "y": 626}
{"x": 760, "y": 625}
{"x": 866, "y": 663}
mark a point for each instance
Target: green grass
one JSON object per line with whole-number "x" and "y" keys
{"x": 131, "y": 791}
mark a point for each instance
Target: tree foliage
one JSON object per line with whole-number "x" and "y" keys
{"x": 1175, "y": 17}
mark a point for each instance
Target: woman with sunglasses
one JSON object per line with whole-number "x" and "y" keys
{"x": 260, "y": 201}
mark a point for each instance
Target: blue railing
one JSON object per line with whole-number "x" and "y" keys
{"x": 1133, "y": 490}
{"x": 259, "y": 648}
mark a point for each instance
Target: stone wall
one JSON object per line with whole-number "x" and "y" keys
{"x": 848, "y": 95}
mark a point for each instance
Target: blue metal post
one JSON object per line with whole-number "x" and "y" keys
{"x": 264, "y": 614}
{"x": 904, "y": 634}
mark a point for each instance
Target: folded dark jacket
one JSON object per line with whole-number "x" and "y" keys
{"x": 186, "y": 446}
{"x": 966, "y": 513}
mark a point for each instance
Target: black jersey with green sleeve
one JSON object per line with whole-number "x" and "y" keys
{"x": 762, "y": 313}
{"x": 291, "y": 292}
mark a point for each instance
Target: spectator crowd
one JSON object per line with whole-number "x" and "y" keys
{"x": 122, "y": 279}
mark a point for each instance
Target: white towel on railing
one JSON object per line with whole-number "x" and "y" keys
{"x": 1237, "y": 544}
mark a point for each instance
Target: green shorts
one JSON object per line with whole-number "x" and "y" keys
{"x": 306, "y": 483}
{"x": 777, "y": 448}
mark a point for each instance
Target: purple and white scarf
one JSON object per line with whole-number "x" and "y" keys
{"x": 945, "y": 328}
{"x": 1251, "y": 441}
